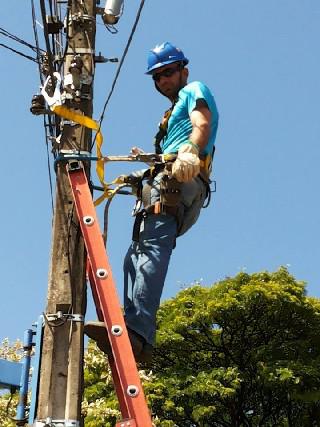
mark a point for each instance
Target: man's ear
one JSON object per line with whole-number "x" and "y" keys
{"x": 185, "y": 72}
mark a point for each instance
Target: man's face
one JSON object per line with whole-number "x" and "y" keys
{"x": 170, "y": 78}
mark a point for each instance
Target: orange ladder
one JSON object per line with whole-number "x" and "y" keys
{"x": 133, "y": 406}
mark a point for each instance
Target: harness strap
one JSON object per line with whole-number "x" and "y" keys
{"x": 162, "y": 132}
{"x": 159, "y": 208}
{"x": 155, "y": 209}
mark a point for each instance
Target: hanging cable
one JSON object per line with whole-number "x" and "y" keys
{"x": 48, "y": 164}
{"x": 35, "y": 33}
{"x": 119, "y": 68}
{"x": 46, "y": 37}
{"x": 11, "y": 36}
{"x": 19, "y": 53}
{"x": 50, "y": 7}
{"x": 67, "y": 38}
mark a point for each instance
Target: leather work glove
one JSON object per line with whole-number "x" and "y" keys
{"x": 187, "y": 164}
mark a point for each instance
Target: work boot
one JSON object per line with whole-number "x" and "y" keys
{"x": 97, "y": 331}
{"x": 146, "y": 354}
{"x": 137, "y": 343}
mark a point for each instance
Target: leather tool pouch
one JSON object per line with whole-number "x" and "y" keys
{"x": 170, "y": 191}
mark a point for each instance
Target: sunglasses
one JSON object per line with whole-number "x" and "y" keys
{"x": 168, "y": 72}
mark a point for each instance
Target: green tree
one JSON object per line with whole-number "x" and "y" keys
{"x": 244, "y": 352}
{"x": 9, "y": 402}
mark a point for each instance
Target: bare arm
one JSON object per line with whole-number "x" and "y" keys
{"x": 200, "y": 119}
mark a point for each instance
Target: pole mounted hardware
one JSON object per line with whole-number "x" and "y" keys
{"x": 54, "y": 25}
{"x": 112, "y": 11}
{"x": 16, "y": 375}
{"x": 57, "y": 423}
{"x": 99, "y": 59}
{"x": 38, "y": 105}
{"x": 53, "y": 317}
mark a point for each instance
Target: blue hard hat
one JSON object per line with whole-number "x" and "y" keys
{"x": 163, "y": 54}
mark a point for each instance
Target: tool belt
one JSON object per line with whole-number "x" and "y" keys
{"x": 170, "y": 194}
{"x": 153, "y": 210}
{"x": 169, "y": 203}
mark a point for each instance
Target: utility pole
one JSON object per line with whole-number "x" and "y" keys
{"x": 61, "y": 376}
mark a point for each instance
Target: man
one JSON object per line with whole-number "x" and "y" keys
{"x": 172, "y": 199}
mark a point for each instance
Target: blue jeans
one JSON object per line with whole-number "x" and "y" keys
{"x": 146, "y": 262}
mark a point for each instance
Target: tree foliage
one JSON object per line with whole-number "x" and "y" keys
{"x": 8, "y": 402}
{"x": 244, "y": 352}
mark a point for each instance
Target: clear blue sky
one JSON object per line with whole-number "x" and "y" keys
{"x": 261, "y": 60}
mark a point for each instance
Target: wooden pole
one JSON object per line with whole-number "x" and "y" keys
{"x": 61, "y": 372}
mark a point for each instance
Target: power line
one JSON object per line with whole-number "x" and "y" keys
{"x": 119, "y": 68}
{"x": 6, "y": 33}
{"x": 46, "y": 37}
{"x": 19, "y": 53}
{"x": 35, "y": 33}
{"x": 67, "y": 38}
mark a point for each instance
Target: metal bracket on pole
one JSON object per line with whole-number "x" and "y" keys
{"x": 82, "y": 51}
{"x": 49, "y": 422}
{"x": 73, "y": 157}
{"x": 74, "y": 153}
{"x": 36, "y": 368}
{"x": 52, "y": 317}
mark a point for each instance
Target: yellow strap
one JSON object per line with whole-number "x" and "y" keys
{"x": 206, "y": 162}
{"x": 89, "y": 123}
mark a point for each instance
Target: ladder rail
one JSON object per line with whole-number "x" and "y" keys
{"x": 116, "y": 380}
{"x": 127, "y": 381}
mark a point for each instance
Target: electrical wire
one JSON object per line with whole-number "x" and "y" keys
{"x": 119, "y": 68}
{"x": 48, "y": 164}
{"x": 46, "y": 37}
{"x": 50, "y": 7}
{"x": 35, "y": 33}
{"x": 67, "y": 38}
{"x": 19, "y": 53}
{"x": 111, "y": 28}
{"x": 11, "y": 36}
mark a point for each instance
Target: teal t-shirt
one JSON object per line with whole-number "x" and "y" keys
{"x": 179, "y": 125}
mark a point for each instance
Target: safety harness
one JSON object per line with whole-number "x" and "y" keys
{"x": 163, "y": 129}
{"x": 170, "y": 188}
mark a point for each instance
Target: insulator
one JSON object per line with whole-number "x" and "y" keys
{"x": 112, "y": 11}
{"x": 76, "y": 65}
{"x": 38, "y": 105}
